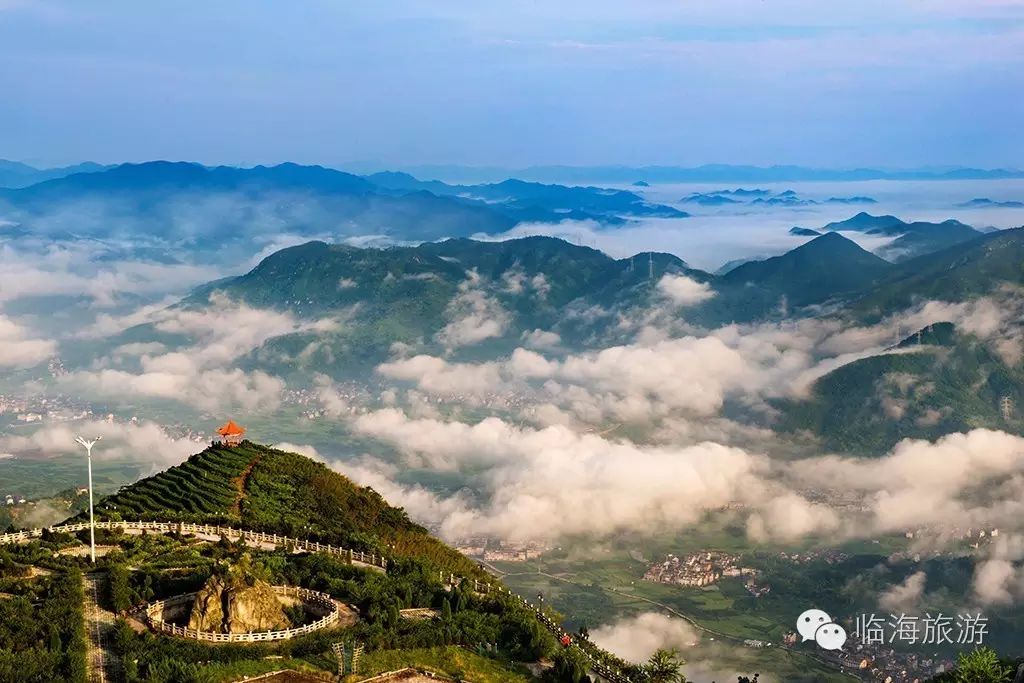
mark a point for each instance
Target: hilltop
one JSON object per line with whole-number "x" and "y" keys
{"x": 825, "y": 267}
{"x": 262, "y": 488}
{"x": 909, "y": 239}
{"x": 417, "y": 296}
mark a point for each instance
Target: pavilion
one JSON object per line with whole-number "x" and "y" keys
{"x": 231, "y": 433}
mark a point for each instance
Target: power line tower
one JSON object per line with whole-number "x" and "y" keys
{"x": 1006, "y": 408}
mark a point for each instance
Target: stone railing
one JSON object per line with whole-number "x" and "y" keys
{"x": 407, "y": 671}
{"x": 153, "y": 614}
{"x": 352, "y": 556}
{"x": 597, "y": 666}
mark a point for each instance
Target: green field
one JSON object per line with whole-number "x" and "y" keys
{"x": 36, "y": 478}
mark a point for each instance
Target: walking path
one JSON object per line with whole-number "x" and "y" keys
{"x": 102, "y": 663}
{"x": 102, "y": 621}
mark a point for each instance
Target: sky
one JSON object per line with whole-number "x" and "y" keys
{"x": 515, "y": 83}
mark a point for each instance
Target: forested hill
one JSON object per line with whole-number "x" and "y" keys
{"x": 261, "y": 488}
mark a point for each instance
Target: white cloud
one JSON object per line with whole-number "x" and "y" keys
{"x": 473, "y": 316}
{"x": 636, "y": 638}
{"x": 201, "y": 373}
{"x": 18, "y": 349}
{"x": 541, "y": 339}
{"x": 144, "y": 442}
{"x": 684, "y": 291}
{"x": 905, "y": 597}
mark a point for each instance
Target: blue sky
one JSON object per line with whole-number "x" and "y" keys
{"x": 834, "y": 83}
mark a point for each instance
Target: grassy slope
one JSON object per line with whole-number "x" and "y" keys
{"x": 263, "y": 488}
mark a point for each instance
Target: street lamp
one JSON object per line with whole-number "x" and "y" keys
{"x": 92, "y": 524}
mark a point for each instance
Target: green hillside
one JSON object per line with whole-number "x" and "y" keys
{"x": 265, "y": 489}
{"x": 409, "y": 294}
{"x": 959, "y": 273}
{"x": 950, "y": 383}
{"x": 466, "y": 630}
{"x": 825, "y": 267}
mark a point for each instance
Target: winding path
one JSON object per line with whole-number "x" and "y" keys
{"x": 262, "y": 539}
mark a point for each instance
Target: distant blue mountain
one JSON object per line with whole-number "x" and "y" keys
{"x": 516, "y": 196}
{"x": 985, "y": 202}
{"x": 910, "y": 239}
{"x": 851, "y": 200}
{"x": 196, "y": 204}
{"x": 707, "y": 173}
{"x": 708, "y": 199}
{"x": 15, "y": 174}
{"x": 765, "y": 198}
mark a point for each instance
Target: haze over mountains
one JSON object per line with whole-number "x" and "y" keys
{"x": 183, "y": 201}
{"x": 471, "y": 301}
{"x": 438, "y": 343}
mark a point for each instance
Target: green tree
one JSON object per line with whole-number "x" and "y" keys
{"x": 665, "y": 666}
{"x": 569, "y": 667}
{"x": 118, "y": 588}
{"x": 981, "y": 666}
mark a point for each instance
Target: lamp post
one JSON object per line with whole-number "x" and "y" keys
{"x": 92, "y": 524}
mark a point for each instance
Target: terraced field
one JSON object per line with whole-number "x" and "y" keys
{"x": 207, "y": 484}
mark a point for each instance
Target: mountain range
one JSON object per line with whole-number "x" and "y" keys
{"x": 407, "y": 295}
{"x": 706, "y": 173}
{"x": 211, "y": 206}
{"x": 17, "y": 174}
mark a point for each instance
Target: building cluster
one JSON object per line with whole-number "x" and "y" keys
{"x": 491, "y": 550}
{"x": 698, "y": 569}
{"x": 883, "y": 664}
{"x": 26, "y": 410}
{"x": 827, "y": 555}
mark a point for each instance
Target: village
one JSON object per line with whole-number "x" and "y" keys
{"x": 491, "y": 550}
{"x": 880, "y": 663}
{"x": 704, "y": 568}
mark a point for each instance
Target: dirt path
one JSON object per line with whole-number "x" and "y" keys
{"x": 103, "y": 664}
{"x": 240, "y": 482}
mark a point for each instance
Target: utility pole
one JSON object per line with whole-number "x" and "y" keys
{"x": 92, "y": 523}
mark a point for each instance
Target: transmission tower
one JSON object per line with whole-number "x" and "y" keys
{"x": 1006, "y": 408}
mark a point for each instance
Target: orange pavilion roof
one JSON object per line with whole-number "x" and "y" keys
{"x": 231, "y": 429}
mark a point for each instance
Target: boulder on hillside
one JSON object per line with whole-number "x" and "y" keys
{"x": 235, "y": 600}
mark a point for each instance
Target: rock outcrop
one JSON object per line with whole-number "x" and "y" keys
{"x": 236, "y": 601}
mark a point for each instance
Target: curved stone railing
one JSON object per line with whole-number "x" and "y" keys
{"x": 353, "y": 556}
{"x": 153, "y": 614}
